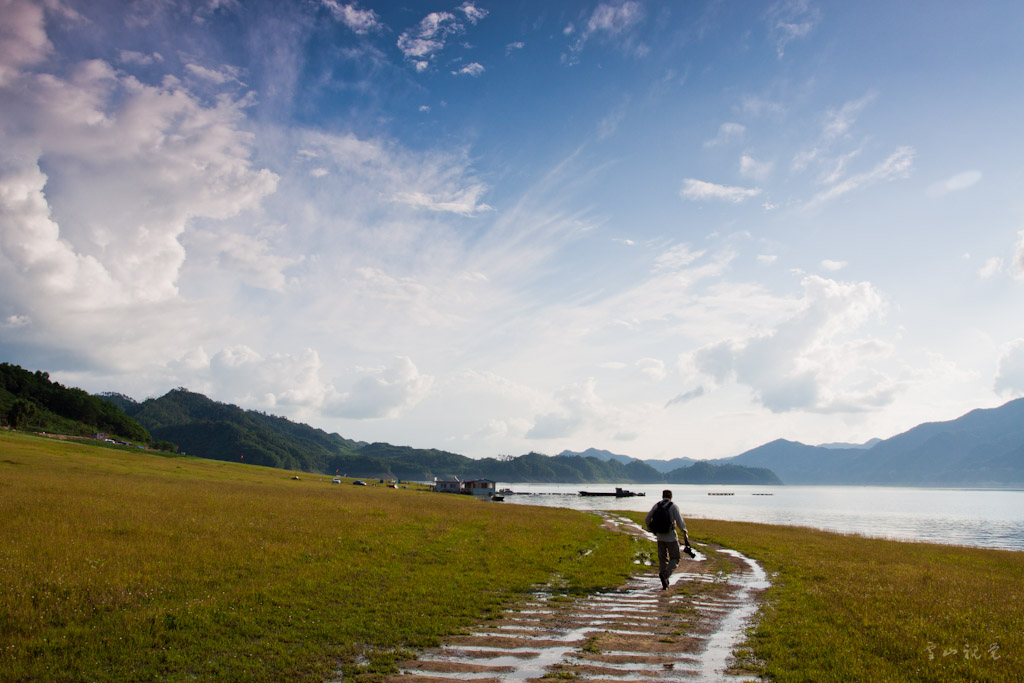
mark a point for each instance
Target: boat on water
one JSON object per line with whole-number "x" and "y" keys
{"x": 618, "y": 493}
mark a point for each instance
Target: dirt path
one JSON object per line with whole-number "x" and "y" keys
{"x": 636, "y": 633}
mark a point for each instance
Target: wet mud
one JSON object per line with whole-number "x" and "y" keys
{"x": 635, "y": 633}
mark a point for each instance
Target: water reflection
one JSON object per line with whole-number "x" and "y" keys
{"x": 973, "y": 517}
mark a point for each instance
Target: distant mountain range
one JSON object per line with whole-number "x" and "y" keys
{"x": 982, "y": 448}
{"x": 209, "y": 429}
{"x": 663, "y": 466}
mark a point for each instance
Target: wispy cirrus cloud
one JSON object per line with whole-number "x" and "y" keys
{"x": 729, "y": 131}
{"x": 956, "y": 183}
{"x": 897, "y": 166}
{"x": 702, "y": 190}
{"x": 612, "y": 21}
{"x": 464, "y": 202}
{"x": 790, "y": 20}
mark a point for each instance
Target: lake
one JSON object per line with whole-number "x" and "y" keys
{"x": 988, "y": 518}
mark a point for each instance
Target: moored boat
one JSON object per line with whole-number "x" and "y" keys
{"x": 618, "y": 493}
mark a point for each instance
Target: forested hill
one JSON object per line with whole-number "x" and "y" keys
{"x": 199, "y": 426}
{"x": 29, "y": 400}
{"x": 208, "y": 429}
{"x": 221, "y": 431}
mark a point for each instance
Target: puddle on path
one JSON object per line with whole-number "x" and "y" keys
{"x": 635, "y": 634}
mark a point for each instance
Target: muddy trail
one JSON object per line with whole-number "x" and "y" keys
{"x": 635, "y": 633}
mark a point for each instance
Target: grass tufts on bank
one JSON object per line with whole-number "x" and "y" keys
{"x": 129, "y": 566}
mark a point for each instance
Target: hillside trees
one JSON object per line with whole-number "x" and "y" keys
{"x": 21, "y": 413}
{"x": 61, "y": 409}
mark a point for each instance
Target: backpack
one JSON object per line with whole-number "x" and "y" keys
{"x": 661, "y": 518}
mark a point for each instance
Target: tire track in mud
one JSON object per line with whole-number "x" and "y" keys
{"x": 636, "y": 633}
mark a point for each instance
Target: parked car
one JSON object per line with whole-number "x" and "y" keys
{"x": 359, "y": 482}
{"x": 336, "y": 481}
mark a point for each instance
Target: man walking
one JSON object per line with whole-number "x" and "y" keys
{"x": 662, "y": 521}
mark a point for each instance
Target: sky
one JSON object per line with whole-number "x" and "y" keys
{"x": 663, "y": 229}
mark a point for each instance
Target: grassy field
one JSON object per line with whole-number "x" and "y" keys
{"x": 848, "y": 608}
{"x": 122, "y": 565}
{"x": 119, "y": 565}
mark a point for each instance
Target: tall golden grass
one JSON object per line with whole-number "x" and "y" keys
{"x": 119, "y": 566}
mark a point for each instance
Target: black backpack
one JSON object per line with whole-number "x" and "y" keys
{"x": 661, "y": 518}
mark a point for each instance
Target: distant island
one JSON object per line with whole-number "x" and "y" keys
{"x": 982, "y": 448}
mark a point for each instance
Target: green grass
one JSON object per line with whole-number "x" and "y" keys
{"x": 119, "y": 565}
{"x": 849, "y": 608}
{"x": 122, "y": 565}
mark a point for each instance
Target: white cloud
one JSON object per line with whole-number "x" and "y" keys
{"x": 464, "y": 202}
{"x": 612, "y": 21}
{"x": 652, "y": 368}
{"x": 752, "y": 168}
{"x": 1010, "y": 375}
{"x": 472, "y": 12}
{"x": 767, "y": 259}
{"x": 472, "y": 69}
{"x": 23, "y": 39}
{"x": 759, "y": 106}
{"x": 727, "y": 132}
{"x": 835, "y": 131}
{"x": 282, "y": 381}
{"x": 421, "y": 43}
{"x": 614, "y": 18}
{"x": 1018, "y": 257}
{"x": 429, "y": 35}
{"x": 290, "y": 383}
{"x": 377, "y": 172}
{"x": 701, "y": 190}
{"x": 839, "y": 121}
{"x": 829, "y": 264}
{"x": 813, "y": 359}
{"x": 517, "y": 45}
{"x": 992, "y": 267}
{"x": 578, "y": 407}
{"x": 383, "y": 392}
{"x": 360, "y": 21}
{"x": 789, "y": 20}
{"x": 132, "y": 57}
{"x": 676, "y": 258}
{"x": 253, "y": 258}
{"x": 225, "y": 74}
{"x": 896, "y": 167}
{"x": 956, "y": 183}
{"x": 128, "y": 168}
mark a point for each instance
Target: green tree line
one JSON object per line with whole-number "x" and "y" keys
{"x": 30, "y": 400}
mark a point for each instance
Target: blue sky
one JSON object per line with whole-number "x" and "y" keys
{"x": 660, "y": 228}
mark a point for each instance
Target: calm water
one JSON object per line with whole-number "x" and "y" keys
{"x": 975, "y": 517}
